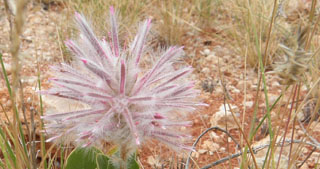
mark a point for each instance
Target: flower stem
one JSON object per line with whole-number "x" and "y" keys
{"x": 124, "y": 153}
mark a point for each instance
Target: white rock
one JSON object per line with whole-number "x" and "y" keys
{"x": 224, "y": 116}
{"x": 222, "y": 110}
{"x": 275, "y": 84}
{"x": 304, "y": 88}
{"x": 202, "y": 151}
{"x": 229, "y": 139}
{"x": 212, "y": 58}
{"x": 29, "y": 80}
{"x": 254, "y": 87}
{"x": 206, "y": 52}
{"x": 195, "y": 155}
{"x": 219, "y": 90}
{"x": 234, "y": 90}
{"x": 29, "y": 100}
{"x": 248, "y": 103}
{"x": 210, "y": 145}
{"x": 3, "y": 100}
{"x": 8, "y": 68}
{"x": 214, "y": 136}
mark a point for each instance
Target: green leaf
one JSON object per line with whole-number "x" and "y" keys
{"x": 104, "y": 162}
{"x": 132, "y": 162}
{"x": 92, "y": 158}
{"x": 82, "y": 158}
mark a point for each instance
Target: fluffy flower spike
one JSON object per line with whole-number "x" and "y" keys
{"x": 125, "y": 105}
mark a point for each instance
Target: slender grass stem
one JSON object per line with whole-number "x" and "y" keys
{"x": 287, "y": 125}
{"x": 42, "y": 137}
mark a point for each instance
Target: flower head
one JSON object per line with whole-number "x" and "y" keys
{"x": 126, "y": 105}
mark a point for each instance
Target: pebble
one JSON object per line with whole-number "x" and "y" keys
{"x": 206, "y": 52}
{"x": 222, "y": 110}
{"x": 275, "y": 84}
{"x": 272, "y": 98}
{"x": 8, "y": 68}
{"x": 34, "y": 88}
{"x": 212, "y": 146}
{"x": 300, "y": 133}
{"x": 248, "y": 103}
{"x": 205, "y": 70}
{"x": 29, "y": 100}
{"x": 3, "y": 100}
{"x": 9, "y": 103}
{"x": 195, "y": 155}
{"x": 202, "y": 151}
{"x": 254, "y": 87}
{"x": 218, "y": 90}
{"x": 304, "y": 88}
{"x": 214, "y": 136}
{"x": 235, "y": 90}
{"x": 221, "y": 118}
{"x": 31, "y": 80}
{"x": 212, "y": 58}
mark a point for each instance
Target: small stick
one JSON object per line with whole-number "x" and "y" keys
{"x": 309, "y": 155}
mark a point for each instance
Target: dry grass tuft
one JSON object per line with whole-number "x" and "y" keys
{"x": 296, "y": 61}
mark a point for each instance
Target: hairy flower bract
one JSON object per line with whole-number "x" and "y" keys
{"x": 126, "y": 105}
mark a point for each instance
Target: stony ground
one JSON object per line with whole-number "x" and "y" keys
{"x": 212, "y": 61}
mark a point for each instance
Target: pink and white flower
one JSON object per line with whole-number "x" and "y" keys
{"x": 127, "y": 106}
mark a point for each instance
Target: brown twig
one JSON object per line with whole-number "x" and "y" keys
{"x": 309, "y": 155}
